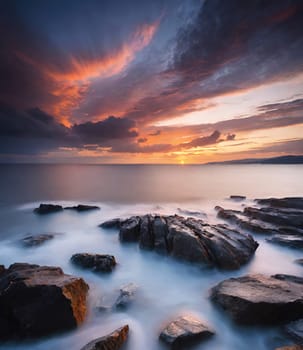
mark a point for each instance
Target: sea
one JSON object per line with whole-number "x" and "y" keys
{"x": 166, "y": 288}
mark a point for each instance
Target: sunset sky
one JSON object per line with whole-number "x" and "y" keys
{"x": 162, "y": 81}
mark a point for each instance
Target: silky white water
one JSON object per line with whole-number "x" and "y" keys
{"x": 166, "y": 288}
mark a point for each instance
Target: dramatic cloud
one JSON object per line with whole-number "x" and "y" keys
{"x": 203, "y": 141}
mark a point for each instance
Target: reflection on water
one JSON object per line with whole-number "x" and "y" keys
{"x": 146, "y": 183}
{"x": 166, "y": 287}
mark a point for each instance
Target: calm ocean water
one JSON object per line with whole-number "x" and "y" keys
{"x": 166, "y": 287}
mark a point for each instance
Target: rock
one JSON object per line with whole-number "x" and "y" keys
{"x": 288, "y": 202}
{"x": 284, "y": 217}
{"x": 95, "y": 262}
{"x": 40, "y": 300}
{"x": 112, "y": 341}
{"x": 189, "y": 239}
{"x": 291, "y": 347}
{"x": 295, "y": 330}
{"x": 299, "y": 261}
{"x": 127, "y": 295}
{"x": 184, "y": 330}
{"x": 191, "y": 213}
{"x": 81, "y": 207}
{"x": 292, "y": 241}
{"x": 237, "y": 198}
{"x": 113, "y": 223}
{"x": 236, "y": 217}
{"x": 259, "y": 299}
{"x": 48, "y": 208}
{"x": 36, "y": 240}
{"x": 130, "y": 229}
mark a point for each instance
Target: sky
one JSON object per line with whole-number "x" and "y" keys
{"x": 162, "y": 81}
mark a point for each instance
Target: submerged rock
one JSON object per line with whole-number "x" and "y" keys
{"x": 127, "y": 295}
{"x": 36, "y": 240}
{"x": 259, "y": 299}
{"x": 95, "y": 262}
{"x": 112, "y": 341}
{"x": 184, "y": 330}
{"x": 237, "y": 198}
{"x": 299, "y": 261}
{"x": 295, "y": 330}
{"x": 292, "y": 241}
{"x": 48, "y": 208}
{"x": 82, "y": 207}
{"x": 39, "y": 300}
{"x": 189, "y": 239}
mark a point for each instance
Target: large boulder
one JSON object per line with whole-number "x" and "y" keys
{"x": 292, "y": 241}
{"x": 39, "y": 300}
{"x": 95, "y": 262}
{"x": 189, "y": 239}
{"x": 112, "y": 341}
{"x": 48, "y": 208}
{"x": 259, "y": 299}
{"x": 112, "y": 223}
{"x": 185, "y": 330}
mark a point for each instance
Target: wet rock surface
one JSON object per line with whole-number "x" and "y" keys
{"x": 295, "y": 330}
{"x": 36, "y": 240}
{"x": 259, "y": 299}
{"x": 299, "y": 261}
{"x": 184, "y": 330}
{"x": 127, "y": 296}
{"x": 39, "y": 300}
{"x": 189, "y": 239}
{"x": 48, "y": 209}
{"x": 281, "y": 219}
{"x": 82, "y": 207}
{"x": 112, "y": 341}
{"x": 95, "y": 262}
{"x": 291, "y": 347}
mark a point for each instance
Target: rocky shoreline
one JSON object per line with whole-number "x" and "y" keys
{"x": 29, "y": 292}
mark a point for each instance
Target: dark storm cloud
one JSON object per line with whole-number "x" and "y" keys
{"x": 228, "y": 47}
{"x": 203, "y": 141}
{"x": 108, "y": 129}
{"x": 34, "y": 131}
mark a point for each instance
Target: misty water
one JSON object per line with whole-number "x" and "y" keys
{"x": 166, "y": 288}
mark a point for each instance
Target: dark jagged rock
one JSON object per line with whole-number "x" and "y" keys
{"x": 112, "y": 341}
{"x": 288, "y": 202}
{"x": 36, "y": 240}
{"x": 184, "y": 330}
{"x": 48, "y": 208}
{"x": 189, "y": 239}
{"x": 82, "y": 207}
{"x": 127, "y": 296}
{"x": 113, "y": 223}
{"x": 292, "y": 241}
{"x": 237, "y": 198}
{"x": 295, "y": 330}
{"x": 259, "y": 299}
{"x": 281, "y": 217}
{"x": 39, "y": 300}
{"x": 130, "y": 229}
{"x": 95, "y": 262}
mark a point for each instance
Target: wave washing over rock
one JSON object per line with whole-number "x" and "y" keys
{"x": 159, "y": 293}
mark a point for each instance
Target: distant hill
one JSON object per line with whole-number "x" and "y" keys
{"x": 275, "y": 160}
